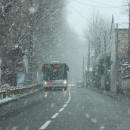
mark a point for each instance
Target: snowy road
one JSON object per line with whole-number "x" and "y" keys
{"x": 79, "y": 109}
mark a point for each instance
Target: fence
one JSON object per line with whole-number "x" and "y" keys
{"x": 7, "y": 91}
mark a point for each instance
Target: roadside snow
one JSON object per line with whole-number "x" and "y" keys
{"x": 5, "y": 100}
{"x": 13, "y": 97}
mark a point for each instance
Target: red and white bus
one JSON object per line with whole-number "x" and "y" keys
{"x": 55, "y": 75}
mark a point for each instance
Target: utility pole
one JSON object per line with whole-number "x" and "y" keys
{"x": 129, "y": 36}
{"x": 117, "y": 60}
{"x": 88, "y": 64}
{"x": 105, "y": 65}
{"x": 88, "y": 61}
{"x": 30, "y": 49}
{"x": 0, "y": 69}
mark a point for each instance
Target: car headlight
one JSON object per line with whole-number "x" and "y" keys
{"x": 65, "y": 82}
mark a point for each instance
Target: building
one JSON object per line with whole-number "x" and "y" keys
{"x": 119, "y": 47}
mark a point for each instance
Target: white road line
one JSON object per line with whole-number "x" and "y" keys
{"x": 44, "y": 126}
{"x": 65, "y": 105}
{"x": 61, "y": 109}
{"x": 87, "y": 116}
{"x": 54, "y": 116}
{"x": 68, "y": 101}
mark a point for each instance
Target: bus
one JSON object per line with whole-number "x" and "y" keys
{"x": 55, "y": 76}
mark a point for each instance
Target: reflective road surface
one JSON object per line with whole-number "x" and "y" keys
{"x": 75, "y": 109}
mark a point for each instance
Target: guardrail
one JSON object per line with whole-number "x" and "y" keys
{"x": 10, "y": 91}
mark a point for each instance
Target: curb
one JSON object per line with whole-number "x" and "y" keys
{"x": 110, "y": 94}
{"x": 20, "y": 97}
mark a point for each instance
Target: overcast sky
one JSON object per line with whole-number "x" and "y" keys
{"x": 80, "y": 11}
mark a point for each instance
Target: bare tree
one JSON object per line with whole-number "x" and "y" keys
{"x": 98, "y": 33}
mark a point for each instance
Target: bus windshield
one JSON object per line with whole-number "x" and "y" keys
{"x": 55, "y": 72}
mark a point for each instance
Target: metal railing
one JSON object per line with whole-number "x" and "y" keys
{"x": 7, "y": 91}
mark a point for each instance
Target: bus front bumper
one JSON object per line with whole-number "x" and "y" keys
{"x": 47, "y": 87}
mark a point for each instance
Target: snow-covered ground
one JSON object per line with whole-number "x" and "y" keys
{"x": 5, "y": 100}
{"x": 13, "y": 97}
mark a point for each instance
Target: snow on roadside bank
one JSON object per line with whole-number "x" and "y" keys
{"x": 4, "y": 100}
{"x": 17, "y": 96}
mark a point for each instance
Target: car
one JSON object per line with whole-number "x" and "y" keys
{"x": 79, "y": 84}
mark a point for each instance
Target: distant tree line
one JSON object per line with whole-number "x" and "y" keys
{"x": 98, "y": 35}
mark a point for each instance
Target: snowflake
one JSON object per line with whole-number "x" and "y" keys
{"x": 32, "y": 10}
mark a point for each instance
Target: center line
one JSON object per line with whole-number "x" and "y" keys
{"x": 61, "y": 109}
{"x": 54, "y": 116}
{"x": 65, "y": 105}
{"x": 44, "y": 126}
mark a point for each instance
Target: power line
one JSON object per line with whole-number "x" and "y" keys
{"x": 75, "y": 10}
{"x": 78, "y": 12}
{"x": 98, "y": 2}
{"x": 92, "y": 4}
{"x": 123, "y": 23}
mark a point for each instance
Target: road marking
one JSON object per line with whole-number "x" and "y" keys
{"x": 68, "y": 101}
{"x": 61, "y": 109}
{"x": 44, "y": 126}
{"x": 54, "y": 116}
{"x": 65, "y": 105}
{"x": 93, "y": 120}
{"x": 47, "y": 123}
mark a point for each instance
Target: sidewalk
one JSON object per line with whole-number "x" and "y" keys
{"x": 119, "y": 97}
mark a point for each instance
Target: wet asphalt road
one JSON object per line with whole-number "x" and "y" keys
{"x": 77, "y": 109}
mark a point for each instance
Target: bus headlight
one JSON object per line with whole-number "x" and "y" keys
{"x": 65, "y": 82}
{"x": 45, "y": 82}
